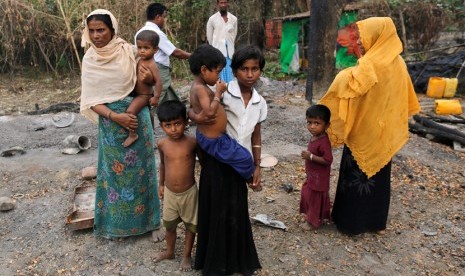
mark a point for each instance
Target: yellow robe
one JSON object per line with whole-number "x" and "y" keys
{"x": 370, "y": 103}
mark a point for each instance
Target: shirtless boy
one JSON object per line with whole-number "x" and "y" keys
{"x": 177, "y": 183}
{"x": 206, "y": 64}
{"x": 147, "y": 46}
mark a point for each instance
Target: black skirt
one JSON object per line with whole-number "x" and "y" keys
{"x": 361, "y": 203}
{"x": 225, "y": 243}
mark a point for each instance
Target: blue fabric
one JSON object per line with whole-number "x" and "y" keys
{"x": 228, "y": 151}
{"x": 226, "y": 74}
{"x": 126, "y": 200}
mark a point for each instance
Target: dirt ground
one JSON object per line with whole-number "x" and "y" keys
{"x": 426, "y": 226}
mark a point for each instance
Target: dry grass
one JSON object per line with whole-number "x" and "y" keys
{"x": 46, "y": 34}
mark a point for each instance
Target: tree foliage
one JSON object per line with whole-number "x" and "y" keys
{"x": 45, "y": 34}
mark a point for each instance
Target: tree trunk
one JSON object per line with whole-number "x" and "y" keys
{"x": 324, "y": 15}
{"x": 251, "y": 15}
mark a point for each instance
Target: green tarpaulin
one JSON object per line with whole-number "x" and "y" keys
{"x": 291, "y": 35}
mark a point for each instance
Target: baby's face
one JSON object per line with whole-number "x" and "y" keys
{"x": 146, "y": 49}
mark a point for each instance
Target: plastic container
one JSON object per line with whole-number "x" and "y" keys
{"x": 436, "y": 87}
{"x": 448, "y": 107}
{"x": 450, "y": 88}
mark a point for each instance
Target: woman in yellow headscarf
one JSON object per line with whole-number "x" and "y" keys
{"x": 126, "y": 201}
{"x": 370, "y": 104}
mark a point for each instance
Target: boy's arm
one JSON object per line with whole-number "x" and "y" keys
{"x": 200, "y": 118}
{"x": 314, "y": 158}
{"x": 208, "y": 106}
{"x": 327, "y": 151}
{"x": 161, "y": 184}
{"x": 158, "y": 84}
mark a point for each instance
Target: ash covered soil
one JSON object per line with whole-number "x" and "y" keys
{"x": 426, "y": 226}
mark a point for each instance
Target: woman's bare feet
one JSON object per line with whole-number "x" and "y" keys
{"x": 186, "y": 264}
{"x": 164, "y": 255}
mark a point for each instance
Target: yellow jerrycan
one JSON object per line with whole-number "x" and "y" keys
{"x": 448, "y": 107}
{"x": 450, "y": 88}
{"x": 436, "y": 86}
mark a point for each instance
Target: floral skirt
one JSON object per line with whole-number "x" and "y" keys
{"x": 127, "y": 200}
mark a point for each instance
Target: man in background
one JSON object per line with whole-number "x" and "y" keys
{"x": 221, "y": 34}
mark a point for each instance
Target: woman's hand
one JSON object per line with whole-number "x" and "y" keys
{"x": 256, "y": 184}
{"x": 145, "y": 74}
{"x": 126, "y": 120}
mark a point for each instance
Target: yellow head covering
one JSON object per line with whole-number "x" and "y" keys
{"x": 370, "y": 103}
{"x": 108, "y": 73}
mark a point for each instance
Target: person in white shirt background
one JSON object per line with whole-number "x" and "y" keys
{"x": 221, "y": 34}
{"x": 156, "y": 17}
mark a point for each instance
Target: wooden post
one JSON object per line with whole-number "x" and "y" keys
{"x": 322, "y": 34}
{"x": 315, "y": 33}
{"x": 404, "y": 33}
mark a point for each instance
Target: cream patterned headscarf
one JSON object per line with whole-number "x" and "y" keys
{"x": 370, "y": 103}
{"x": 108, "y": 73}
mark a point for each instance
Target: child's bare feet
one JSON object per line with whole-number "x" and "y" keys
{"x": 132, "y": 137}
{"x": 164, "y": 255}
{"x": 158, "y": 235}
{"x": 307, "y": 227}
{"x": 186, "y": 264}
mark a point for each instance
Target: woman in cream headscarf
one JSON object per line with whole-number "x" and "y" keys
{"x": 370, "y": 104}
{"x": 126, "y": 199}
